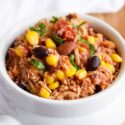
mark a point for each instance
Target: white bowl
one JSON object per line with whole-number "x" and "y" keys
{"x": 54, "y": 108}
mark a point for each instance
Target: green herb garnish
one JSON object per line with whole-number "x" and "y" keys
{"x": 41, "y": 29}
{"x": 54, "y": 19}
{"x": 57, "y": 39}
{"x": 34, "y": 29}
{"x": 79, "y": 25}
{"x": 92, "y": 48}
{"x": 38, "y": 64}
{"x": 72, "y": 57}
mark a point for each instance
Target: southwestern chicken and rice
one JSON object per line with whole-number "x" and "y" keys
{"x": 63, "y": 58}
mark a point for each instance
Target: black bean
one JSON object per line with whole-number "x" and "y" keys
{"x": 97, "y": 88}
{"x": 23, "y": 87}
{"x": 40, "y": 52}
{"x": 7, "y": 56}
{"x": 12, "y": 45}
{"x": 93, "y": 63}
{"x": 29, "y": 54}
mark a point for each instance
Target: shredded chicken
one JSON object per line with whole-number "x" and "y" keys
{"x": 55, "y": 66}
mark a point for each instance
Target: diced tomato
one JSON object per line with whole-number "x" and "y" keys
{"x": 70, "y": 34}
{"x": 60, "y": 24}
{"x": 65, "y": 31}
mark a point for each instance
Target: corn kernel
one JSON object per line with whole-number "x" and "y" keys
{"x": 100, "y": 57}
{"x": 54, "y": 85}
{"x": 96, "y": 39}
{"x": 81, "y": 73}
{"x": 71, "y": 71}
{"x": 60, "y": 74}
{"x": 110, "y": 67}
{"x": 91, "y": 39}
{"x": 52, "y": 60}
{"x": 49, "y": 78}
{"x": 102, "y": 63}
{"x": 81, "y": 49}
{"x": 19, "y": 50}
{"x": 116, "y": 58}
{"x": 32, "y": 37}
{"x": 44, "y": 93}
{"x": 50, "y": 43}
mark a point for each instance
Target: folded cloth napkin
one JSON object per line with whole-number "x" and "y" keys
{"x": 11, "y": 11}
